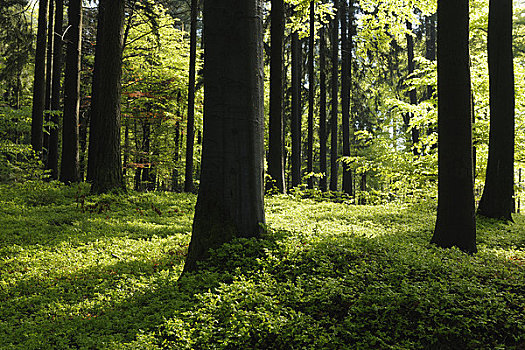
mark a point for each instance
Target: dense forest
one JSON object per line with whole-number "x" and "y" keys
{"x": 262, "y": 174}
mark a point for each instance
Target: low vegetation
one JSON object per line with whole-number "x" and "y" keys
{"x": 102, "y": 272}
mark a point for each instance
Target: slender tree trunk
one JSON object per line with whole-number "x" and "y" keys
{"x": 412, "y": 94}
{"x": 456, "y": 220}
{"x": 311, "y": 98}
{"x": 230, "y": 202}
{"x": 322, "y": 111}
{"x": 107, "y": 169}
{"x": 334, "y": 167}
{"x": 52, "y": 158}
{"x": 49, "y": 82}
{"x": 275, "y": 128}
{"x": 296, "y": 122}
{"x": 496, "y": 201}
{"x": 346, "y": 77}
{"x": 39, "y": 88}
{"x": 70, "y": 165}
{"x": 190, "y": 132}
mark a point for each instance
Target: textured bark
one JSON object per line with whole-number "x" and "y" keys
{"x": 39, "y": 88}
{"x": 322, "y": 111}
{"x": 275, "y": 126}
{"x": 456, "y": 221}
{"x": 52, "y": 157}
{"x": 230, "y": 202}
{"x": 496, "y": 201}
{"x": 346, "y": 75}
{"x": 311, "y": 98}
{"x": 107, "y": 169}
{"x": 190, "y": 129}
{"x": 334, "y": 166}
{"x": 70, "y": 165}
{"x": 295, "y": 123}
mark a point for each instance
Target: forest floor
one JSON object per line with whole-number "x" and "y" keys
{"x": 102, "y": 272}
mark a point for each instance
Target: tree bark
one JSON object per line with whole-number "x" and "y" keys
{"x": 346, "y": 76}
{"x": 52, "y": 160}
{"x": 496, "y": 201}
{"x": 230, "y": 201}
{"x": 311, "y": 98}
{"x": 322, "y": 111}
{"x": 39, "y": 88}
{"x": 107, "y": 165}
{"x": 456, "y": 221}
{"x": 334, "y": 167}
{"x": 70, "y": 165}
{"x": 412, "y": 94}
{"x": 190, "y": 129}
{"x": 296, "y": 122}
{"x": 49, "y": 82}
{"x": 275, "y": 127}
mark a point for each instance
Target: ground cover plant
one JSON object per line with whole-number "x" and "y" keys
{"x": 102, "y": 272}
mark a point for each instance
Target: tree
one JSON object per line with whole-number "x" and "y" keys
{"x": 296, "y": 118}
{"x": 190, "y": 132}
{"x": 39, "y": 89}
{"x": 456, "y": 221}
{"x": 275, "y": 127}
{"x": 311, "y": 97}
{"x": 346, "y": 76}
{"x": 230, "y": 200}
{"x": 334, "y": 169}
{"x": 52, "y": 156}
{"x": 496, "y": 201}
{"x": 49, "y": 80}
{"x": 412, "y": 93}
{"x": 322, "y": 110}
{"x": 70, "y": 168}
{"x": 105, "y": 122}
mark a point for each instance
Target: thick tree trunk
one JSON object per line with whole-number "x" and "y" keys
{"x": 496, "y": 201}
{"x": 322, "y": 111}
{"x": 190, "y": 129}
{"x": 456, "y": 221}
{"x": 70, "y": 165}
{"x": 275, "y": 128}
{"x": 230, "y": 202}
{"x": 334, "y": 166}
{"x": 52, "y": 158}
{"x": 311, "y": 98}
{"x": 296, "y": 121}
{"x": 39, "y": 87}
{"x": 107, "y": 169}
{"x": 346, "y": 76}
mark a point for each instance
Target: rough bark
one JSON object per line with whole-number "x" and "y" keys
{"x": 190, "y": 129}
{"x": 39, "y": 88}
{"x": 311, "y": 99}
{"x": 275, "y": 126}
{"x": 295, "y": 123}
{"x": 230, "y": 201}
{"x": 496, "y": 201}
{"x": 70, "y": 165}
{"x": 107, "y": 169}
{"x": 334, "y": 166}
{"x": 456, "y": 221}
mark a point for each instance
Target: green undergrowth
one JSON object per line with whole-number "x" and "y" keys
{"x": 102, "y": 272}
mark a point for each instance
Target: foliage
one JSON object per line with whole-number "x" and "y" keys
{"x": 102, "y": 272}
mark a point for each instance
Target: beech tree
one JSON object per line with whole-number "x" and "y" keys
{"x": 322, "y": 110}
{"x": 496, "y": 201}
{"x": 295, "y": 120}
{"x": 346, "y": 54}
{"x": 334, "y": 167}
{"x": 230, "y": 200}
{"x": 311, "y": 97}
{"x": 456, "y": 221}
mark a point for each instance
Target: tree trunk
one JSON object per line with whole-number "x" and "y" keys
{"x": 190, "y": 129}
{"x": 52, "y": 158}
{"x": 230, "y": 202}
{"x": 322, "y": 111}
{"x": 456, "y": 220}
{"x": 107, "y": 169}
{"x": 275, "y": 128}
{"x": 39, "y": 88}
{"x": 70, "y": 168}
{"x": 295, "y": 123}
{"x": 412, "y": 94}
{"x": 334, "y": 167}
{"x": 346, "y": 76}
{"x": 496, "y": 201}
{"x": 49, "y": 82}
{"x": 311, "y": 98}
